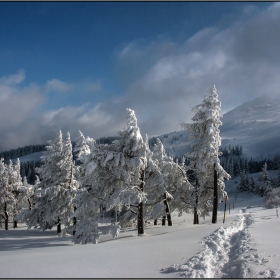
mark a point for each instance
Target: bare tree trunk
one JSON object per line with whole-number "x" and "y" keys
{"x": 195, "y": 218}
{"x": 155, "y": 222}
{"x": 167, "y": 209}
{"x": 195, "y": 215}
{"x": 140, "y": 223}
{"x": 74, "y": 220}
{"x": 215, "y": 201}
{"x": 58, "y": 226}
{"x": 6, "y": 216}
{"x": 225, "y": 209}
{"x": 163, "y": 220}
{"x": 29, "y": 203}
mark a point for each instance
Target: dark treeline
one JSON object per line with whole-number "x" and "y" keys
{"x": 234, "y": 162}
{"x": 107, "y": 140}
{"x": 22, "y": 151}
{"x": 232, "y": 159}
{"x": 28, "y": 169}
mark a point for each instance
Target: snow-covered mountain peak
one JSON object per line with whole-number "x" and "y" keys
{"x": 262, "y": 108}
{"x": 255, "y": 125}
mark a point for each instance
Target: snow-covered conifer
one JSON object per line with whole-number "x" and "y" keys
{"x": 204, "y": 157}
{"x": 81, "y": 147}
{"x": 7, "y": 198}
{"x": 266, "y": 185}
{"x": 253, "y": 186}
{"x": 166, "y": 180}
{"x": 244, "y": 182}
{"x": 264, "y": 176}
{"x": 265, "y": 188}
{"x": 52, "y": 202}
{"x": 113, "y": 178}
{"x": 272, "y": 199}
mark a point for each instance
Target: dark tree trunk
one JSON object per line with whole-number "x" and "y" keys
{"x": 29, "y": 203}
{"x": 74, "y": 220}
{"x": 167, "y": 209}
{"x": 195, "y": 215}
{"x": 195, "y": 218}
{"x": 163, "y": 220}
{"x": 58, "y": 226}
{"x": 6, "y": 216}
{"x": 155, "y": 222}
{"x": 215, "y": 200}
{"x": 140, "y": 222}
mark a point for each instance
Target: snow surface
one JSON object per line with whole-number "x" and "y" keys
{"x": 31, "y": 157}
{"x": 255, "y": 125}
{"x": 246, "y": 245}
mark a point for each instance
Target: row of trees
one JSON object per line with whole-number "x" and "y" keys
{"x": 22, "y": 151}
{"x": 262, "y": 186}
{"x": 235, "y": 162}
{"x": 129, "y": 177}
{"x": 15, "y": 193}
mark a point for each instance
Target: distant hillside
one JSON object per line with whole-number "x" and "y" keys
{"x": 254, "y": 125}
{"x": 22, "y": 151}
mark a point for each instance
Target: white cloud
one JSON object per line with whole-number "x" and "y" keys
{"x": 18, "y": 111}
{"x": 13, "y": 79}
{"x": 57, "y": 85}
{"x": 243, "y": 60}
{"x": 162, "y": 80}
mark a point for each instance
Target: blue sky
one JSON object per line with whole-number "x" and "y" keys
{"x": 78, "y": 65}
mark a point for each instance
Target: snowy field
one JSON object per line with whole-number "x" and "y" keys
{"x": 245, "y": 246}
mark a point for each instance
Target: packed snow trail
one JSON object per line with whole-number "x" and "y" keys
{"x": 226, "y": 254}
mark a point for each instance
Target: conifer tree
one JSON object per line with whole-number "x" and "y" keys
{"x": 252, "y": 185}
{"x": 164, "y": 184}
{"x": 18, "y": 189}
{"x": 264, "y": 174}
{"x": 7, "y": 198}
{"x": 272, "y": 199}
{"x": 205, "y": 155}
{"x": 114, "y": 178}
{"x": 52, "y": 202}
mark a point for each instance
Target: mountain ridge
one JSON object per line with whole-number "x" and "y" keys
{"x": 254, "y": 125}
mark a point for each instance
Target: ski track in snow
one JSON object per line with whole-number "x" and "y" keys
{"x": 227, "y": 253}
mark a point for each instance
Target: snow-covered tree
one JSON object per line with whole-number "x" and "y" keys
{"x": 264, "y": 176}
{"x": 272, "y": 199}
{"x": 113, "y": 178}
{"x": 253, "y": 186}
{"x": 166, "y": 184}
{"x": 244, "y": 182}
{"x": 28, "y": 193}
{"x": 155, "y": 181}
{"x": 18, "y": 189}
{"x": 7, "y": 198}
{"x": 266, "y": 185}
{"x": 204, "y": 157}
{"x": 265, "y": 188}
{"x": 82, "y": 148}
{"x": 52, "y": 202}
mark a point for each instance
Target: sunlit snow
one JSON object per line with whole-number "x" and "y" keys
{"x": 246, "y": 245}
